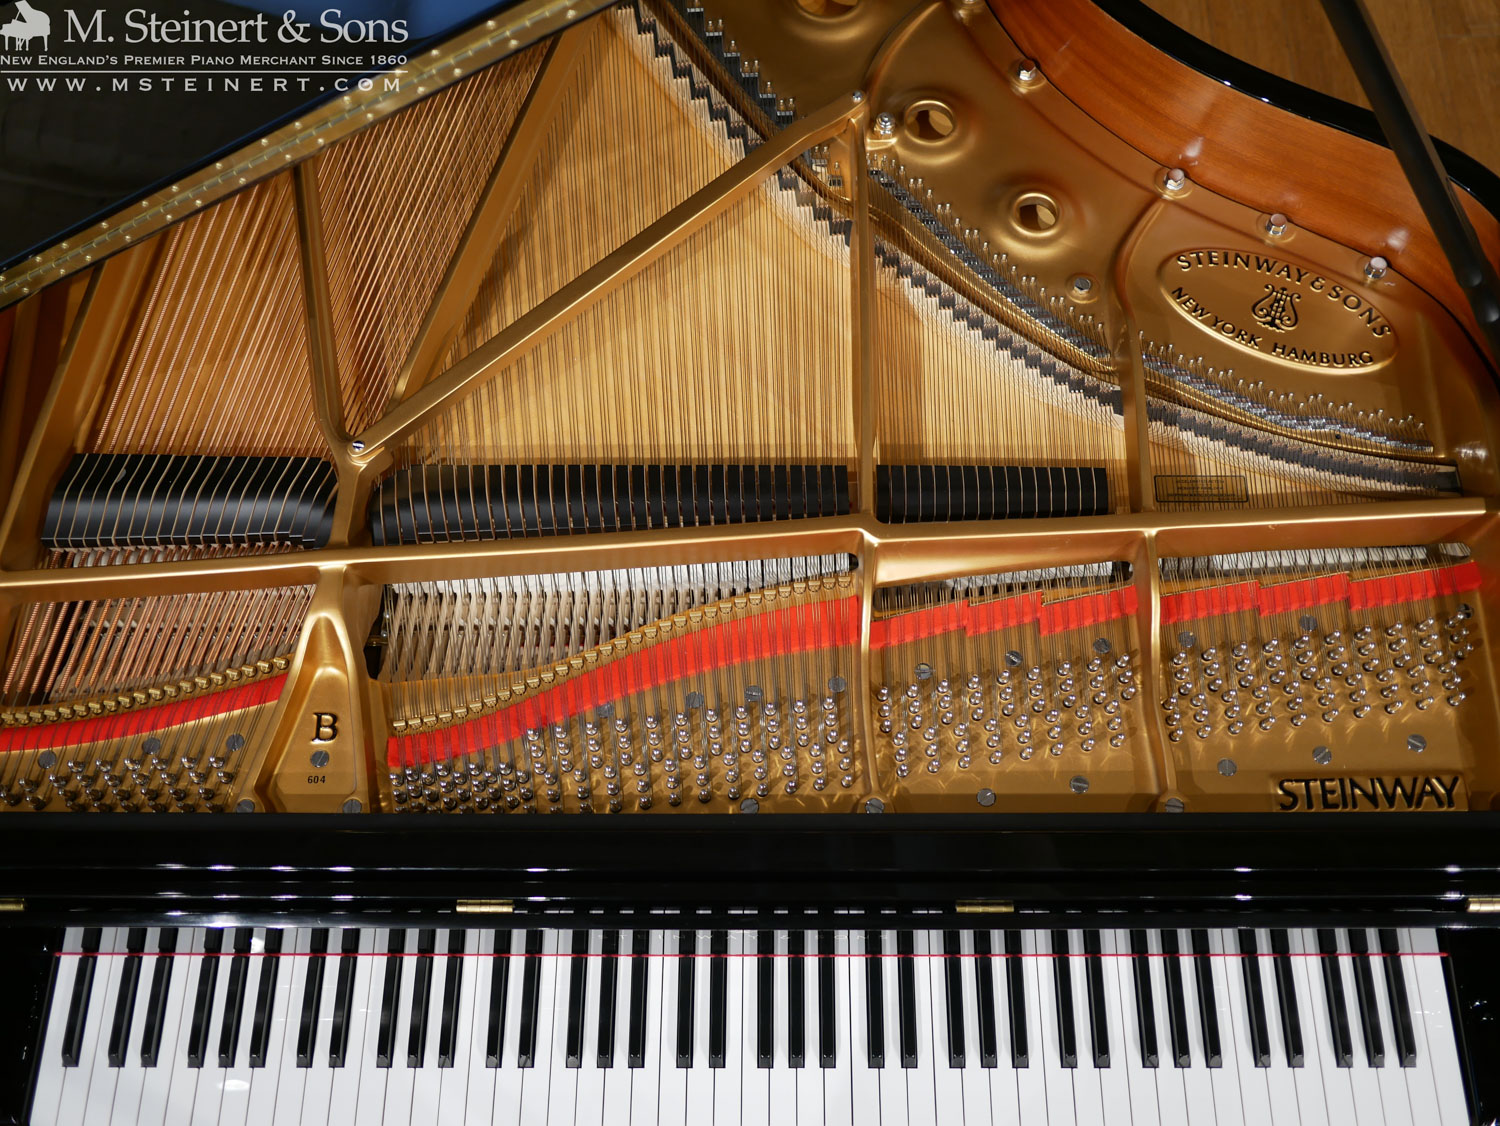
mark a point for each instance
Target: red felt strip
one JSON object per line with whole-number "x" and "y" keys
{"x": 1414, "y": 586}
{"x": 1086, "y": 610}
{"x": 1210, "y": 602}
{"x": 137, "y": 721}
{"x": 775, "y": 633}
{"x": 1303, "y": 594}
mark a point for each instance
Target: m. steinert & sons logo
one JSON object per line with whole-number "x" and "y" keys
{"x": 125, "y": 46}
{"x": 28, "y": 25}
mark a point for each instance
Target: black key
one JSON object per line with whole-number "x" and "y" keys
{"x": 78, "y": 1004}
{"x": 906, "y": 975}
{"x": 686, "y": 967}
{"x": 874, "y": 997}
{"x": 609, "y": 971}
{"x": 1145, "y": 1001}
{"x": 827, "y": 1030}
{"x": 1176, "y": 1001}
{"x": 203, "y": 1000}
{"x": 640, "y": 947}
{"x": 1098, "y": 1013}
{"x": 130, "y": 979}
{"x": 984, "y": 972}
{"x": 265, "y": 997}
{"x": 343, "y": 999}
{"x": 1260, "y": 1034}
{"x": 390, "y": 997}
{"x": 1364, "y": 994}
{"x": 452, "y": 985}
{"x": 1286, "y": 999}
{"x": 1062, "y": 991}
{"x": 718, "y": 997}
{"x": 312, "y": 996}
{"x": 531, "y": 984}
{"x": 494, "y": 1037}
{"x": 578, "y": 985}
{"x": 1333, "y": 993}
{"x": 234, "y": 1001}
{"x": 156, "y": 1002}
{"x": 954, "y": 981}
{"x": 796, "y": 999}
{"x": 765, "y": 993}
{"x": 1208, "y": 1009}
{"x": 1395, "y": 992}
{"x": 1015, "y": 990}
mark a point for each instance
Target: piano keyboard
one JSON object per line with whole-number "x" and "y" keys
{"x": 330, "y": 1027}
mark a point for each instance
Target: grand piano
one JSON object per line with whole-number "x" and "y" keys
{"x": 901, "y": 562}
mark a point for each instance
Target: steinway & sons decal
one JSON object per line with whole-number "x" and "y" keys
{"x": 1278, "y": 309}
{"x": 1398, "y": 792}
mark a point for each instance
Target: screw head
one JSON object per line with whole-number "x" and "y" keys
{"x": 986, "y": 797}
{"x": 319, "y": 759}
{"x": 1416, "y": 743}
{"x": 1102, "y": 645}
{"x": 245, "y": 805}
{"x": 694, "y": 700}
{"x": 837, "y": 684}
{"x": 857, "y": 97}
{"x": 749, "y": 805}
{"x": 885, "y": 125}
{"x": 357, "y": 446}
{"x": 1376, "y": 267}
{"x": 46, "y": 760}
{"x": 1079, "y": 784}
{"x": 1174, "y": 180}
{"x": 151, "y": 745}
{"x": 1176, "y": 805}
{"x": 1227, "y": 767}
{"x": 235, "y": 742}
{"x": 1013, "y": 658}
{"x": 1276, "y": 225}
{"x": 1322, "y": 756}
{"x": 1027, "y": 70}
{"x": 352, "y": 806}
{"x": 874, "y": 805}
{"x": 924, "y": 671}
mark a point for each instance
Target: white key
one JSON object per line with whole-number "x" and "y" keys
{"x": 645, "y": 1081}
{"x": 893, "y": 1077}
{"x": 672, "y": 1079}
{"x": 1005, "y": 1109}
{"x": 809, "y": 1077}
{"x": 182, "y": 1091}
{"x": 359, "y": 1084}
{"x": 974, "y": 1077}
{"x": 1046, "y": 1050}
{"x": 728, "y": 1093}
{"x": 317, "y": 1089}
{"x": 401, "y": 1078}
{"x": 1171, "y": 1085}
{"x": 283, "y": 1097}
{"x": 1421, "y": 1086}
{"x": 126, "y": 1104}
{"x": 700, "y": 1077}
{"x": 1031, "y": 1080}
{"x": 1281, "y": 1087}
{"x": 864, "y": 1081}
{"x": 755, "y": 1109}
{"x": 89, "y": 1091}
{"x": 1368, "y": 1105}
{"x": 1088, "y": 1099}
{"x": 452, "y": 1082}
{"x": 1234, "y": 1024}
{"x": 838, "y": 1081}
{"x": 428, "y": 1081}
{"x": 1391, "y": 1078}
{"x": 617, "y": 1078}
{"x": 1317, "y": 1036}
{"x": 1307, "y": 1080}
{"x": 589, "y": 1098}
{"x": 468, "y": 1096}
{"x": 1197, "y": 1080}
{"x": 209, "y": 1095}
{"x": 536, "y": 1084}
{"x": 1438, "y": 1022}
{"x": 509, "y": 1078}
{"x": 1230, "y": 1099}
{"x": 562, "y": 1097}
{"x": 239, "y": 1078}
{"x": 1123, "y": 1099}
{"x": 921, "y": 1081}
{"x": 947, "y": 1080}
{"x": 50, "y": 1072}
{"x": 172, "y": 1055}
{"x": 783, "y": 1079}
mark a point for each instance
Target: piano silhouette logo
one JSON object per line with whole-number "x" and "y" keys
{"x": 29, "y": 24}
{"x": 1277, "y": 309}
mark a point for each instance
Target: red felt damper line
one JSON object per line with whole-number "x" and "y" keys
{"x": 976, "y": 618}
{"x": 1303, "y": 594}
{"x": 138, "y": 721}
{"x": 776, "y": 633}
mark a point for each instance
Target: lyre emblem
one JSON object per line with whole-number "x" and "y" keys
{"x": 1277, "y": 309}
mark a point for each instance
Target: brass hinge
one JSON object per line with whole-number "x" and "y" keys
{"x": 486, "y": 907}
{"x": 12, "y": 905}
{"x": 1484, "y": 904}
{"x": 986, "y": 907}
